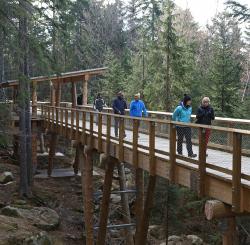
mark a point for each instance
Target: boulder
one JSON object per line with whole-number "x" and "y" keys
{"x": 19, "y": 232}
{"x": 157, "y": 231}
{"x": 195, "y": 239}
{"x": 6, "y": 177}
{"x": 41, "y": 217}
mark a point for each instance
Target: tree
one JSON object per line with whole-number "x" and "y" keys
{"x": 225, "y": 69}
{"x": 240, "y": 11}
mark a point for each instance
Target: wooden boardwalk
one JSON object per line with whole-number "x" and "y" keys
{"x": 217, "y": 177}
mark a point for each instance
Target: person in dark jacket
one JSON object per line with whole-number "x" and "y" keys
{"x": 183, "y": 113}
{"x": 119, "y": 106}
{"x": 99, "y": 103}
{"x": 205, "y": 115}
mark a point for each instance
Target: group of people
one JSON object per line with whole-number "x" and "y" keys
{"x": 182, "y": 113}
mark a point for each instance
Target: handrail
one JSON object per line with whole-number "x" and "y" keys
{"x": 147, "y": 119}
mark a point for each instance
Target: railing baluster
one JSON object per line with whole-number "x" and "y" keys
{"x": 57, "y": 120}
{"x": 72, "y": 124}
{"x": 108, "y": 133}
{"x": 172, "y": 152}
{"x": 236, "y": 178}
{"x": 66, "y": 121}
{"x": 135, "y": 142}
{"x": 49, "y": 123}
{"x": 77, "y": 125}
{"x": 83, "y": 127}
{"x": 202, "y": 161}
{"x": 121, "y": 137}
{"x": 61, "y": 121}
{"x": 91, "y": 126}
{"x": 100, "y": 132}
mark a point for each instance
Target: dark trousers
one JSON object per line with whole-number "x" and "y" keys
{"x": 117, "y": 124}
{"x": 181, "y": 132}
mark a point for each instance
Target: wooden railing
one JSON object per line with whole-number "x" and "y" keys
{"x": 80, "y": 125}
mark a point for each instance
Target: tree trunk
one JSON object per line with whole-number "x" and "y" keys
{"x": 24, "y": 108}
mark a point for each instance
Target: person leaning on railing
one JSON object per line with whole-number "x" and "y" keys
{"x": 183, "y": 113}
{"x": 205, "y": 115}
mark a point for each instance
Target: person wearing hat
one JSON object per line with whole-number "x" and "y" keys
{"x": 119, "y": 106}
{"x": 137, "y": 107}
{"x": 183, "y": 113}
{"x": 205, "y": 116}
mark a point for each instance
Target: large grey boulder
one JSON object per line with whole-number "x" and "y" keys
{"x": 19, "y": 232}
{"x": 41, "y": 217}
{"x": 195, "y": 239}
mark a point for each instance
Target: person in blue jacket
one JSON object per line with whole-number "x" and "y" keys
{"x": 137, "y": 107}
{"x": 183, "y": 113}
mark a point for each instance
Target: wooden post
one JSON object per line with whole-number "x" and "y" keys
{"x": 202, "y": 161}
{"x": 91, "y": 126}
{"x": 215, "y": 209}
{"x": 84, "y": 128}
{"x": 72, "y": 117}
{"x": 108, "y": 132}
{"x": 73, "y": 94}
{"x": 61, "y": 121}
{"x": 87, "y": 179}
{"x": 85, "y": 89}
{"x": 172, "y": 151}
{"x": 141, "y": 235}
{"x": 230, "y": 237}
{"x": 52, "y": 94}
{"x": 110, "y": 164}
{"x": 34, "y": 99}
{"x": 52, "y": 151}
{"x": 66, "y": 122}
{"x": 77, "y": 159}
{"x": 236, "y": 178}
{"x": 135, "y": 143}
{"x": 121, "y": 137}
{"x": 77, "y": 136}
{"x": 125, "y": 203}
{"x": 100, "y": 133}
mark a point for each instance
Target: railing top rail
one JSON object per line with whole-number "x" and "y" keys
{"x": 220, "y": 119}
{"x": 161, "y": 121}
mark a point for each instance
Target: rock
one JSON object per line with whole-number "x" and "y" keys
{"x": 115, "y": 198}
{"x": 195, "y": 239}
{"x": 19, "y": 232}
{"x": 6, "y": 177}
{"x": 174, "y": 239}
{"x": 41, "y": 217}
{"x": 10, "y": 211}
{"x": 20, "y": 202}
{"x": 157, "y": 231}
{"x": 39, "y": 239}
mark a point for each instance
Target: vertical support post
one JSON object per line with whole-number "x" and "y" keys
{"x": 34, "y": 99}
{"x": 58, "y": 93}
{"x": 52, "y": 94}
{"x": 85, "y": 89}
{"x": 202, "y": 161}
{"x": 230, "y": 237}
{"x": 236, "y": 178}
{"x": 57, "y": 120}
{"x": 73, "y": 94}
{"x": 49, "y": 116}
{"x": 110, "y": 164}
{"x": 52, "y": 151}
{"x": 172, "y": 151}
{"x": 100, "y": 132}
{"x": 108, "y": 132}
{"x": 125, "y": 203}
{"x": 77, "y": 159}
{"x": 87, "y": 180}
{"x": 141, "y": 236}
{"x": 121, "y": 137}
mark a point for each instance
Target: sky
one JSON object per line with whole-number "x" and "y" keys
{"x": 204, "y": 10}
